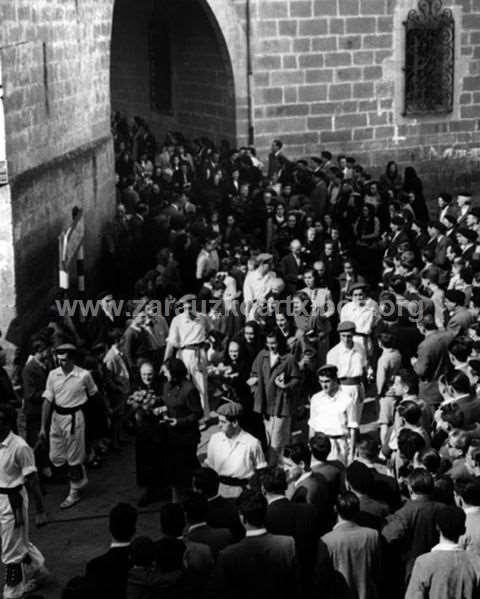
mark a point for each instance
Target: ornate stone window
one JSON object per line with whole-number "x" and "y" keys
{"x": 161, "y": 94}
{"x": 429, "y": 59}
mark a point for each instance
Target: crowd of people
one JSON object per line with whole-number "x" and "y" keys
{"x": 273, "y": 307}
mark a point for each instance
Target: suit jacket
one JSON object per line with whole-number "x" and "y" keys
{"x": 258, "y": 567}
{"x": 269, "y": 398}
{"x": 300, "y": 521}
{"x": 108, "y": 573}
{"x": 334, "y": 473}
{"x": 412, "y": 530}
{"x": 222, "y": 513}
{"x": 432, "y": 361}
{"x": 355, "y": 553}
{"x": 290, "y": 271}
{"x": 315, "y": 490}
{"x": 216, "y": 538}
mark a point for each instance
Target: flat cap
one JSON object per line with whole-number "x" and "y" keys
{"x": 328, "y": 370}
{"x": 455, "y": 296}
{"x": 264, "y": 257}
{"x": 189, "y": 297}
{"x": 65, "y": 348}
{"x": 346, "y": 327}
{"x": 230, "y": 409}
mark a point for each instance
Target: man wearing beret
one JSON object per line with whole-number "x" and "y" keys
{"x": 234, "y": 454}
{"x": 351, "y": 362}
{"x": 187, "y": 337}
{"x": 67, "y": 391}
{"x": 333, "y": 413}
{"x": 363, "y": 312}
{"x": 459, "y": 318}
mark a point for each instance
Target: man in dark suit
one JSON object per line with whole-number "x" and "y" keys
{"x": 222, "y": 512}
{"x": 297, "y": 520}
{"x": 332, "y": 471}
{"x": 261, "y": 565}
{"x": 291, "y": 267}
{"x": 432, "y": 360}
{"x": 361, "y": 481}
{"x": 308, "y": 487}
{"x": 412, "y": 529}
{"x": 438, "y": 243}
{"x": 195, "y": 508}
{"x": 108, "y": 573}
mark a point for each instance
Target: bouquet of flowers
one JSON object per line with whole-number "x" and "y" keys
{"x": 146, "y": 403}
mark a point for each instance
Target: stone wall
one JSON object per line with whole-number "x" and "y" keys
{"x": 202, "y": 79}
{"x": 328, "y": 74}
{"x": 55, "y": 76}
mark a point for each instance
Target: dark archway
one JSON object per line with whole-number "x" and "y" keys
{"x": 171, "y": 65}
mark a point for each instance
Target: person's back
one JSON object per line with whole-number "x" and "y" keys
{"x": 448, "y": 571}
{"x": 412, "y": 529}
{"x": 108, "y": 573}
{"x": 354, "y": 551}
{"x": 259, "y": 566}
{"x": 445, "y": 575}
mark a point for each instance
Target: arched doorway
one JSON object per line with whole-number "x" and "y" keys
{"x": 170, "y": 64}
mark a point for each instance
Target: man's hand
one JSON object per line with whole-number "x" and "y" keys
{"x": 42, "y": 435}
{"x": 41, "y": 519}
{"x": 280, "y": 381}
{"x": 253, "y": 380}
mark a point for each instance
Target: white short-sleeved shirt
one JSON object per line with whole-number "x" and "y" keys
{"x": 69, "y": 390}
{"x": 238, "y": 457}
{"x": 362, "y": 316}
{"x": 349, "y": 362}
{"x": 188, "y": 331}
{"x": 16, "y": 461}
{"x": 332, "y": 416}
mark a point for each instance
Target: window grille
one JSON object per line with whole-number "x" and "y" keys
{"x": 429, "y": 59}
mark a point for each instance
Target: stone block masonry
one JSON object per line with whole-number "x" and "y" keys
{"x": 55, "y": 75}
{"x": 344, "y": 61}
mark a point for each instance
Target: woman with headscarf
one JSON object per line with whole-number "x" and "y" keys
{"x": 391, "y": 182}
{"x": 412, "y": 184}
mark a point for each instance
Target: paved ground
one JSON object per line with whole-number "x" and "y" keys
{"x": 74, "y": 536}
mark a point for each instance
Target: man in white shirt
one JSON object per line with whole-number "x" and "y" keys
{"x": 362, "y": 311}
{"x": 351, "y": 362}
{"x": 187, "y": 337}
{"x": 234, "y": 454}
{"x": 67, "y": 391}
{"x": 207, "y": 259}
{"x": 333, "y": 413}
{"x": 258, "y": 283}
{"x": 25, "y": 568}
